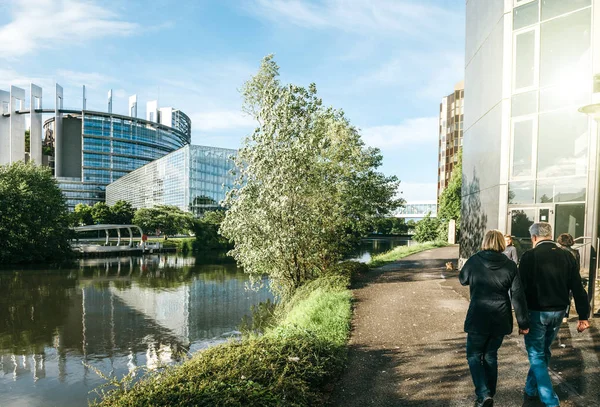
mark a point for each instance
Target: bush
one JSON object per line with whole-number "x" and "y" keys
{"x": 427, "y": 229}
{"x": 287, "y": 366}
{"x": 34, "y": 221}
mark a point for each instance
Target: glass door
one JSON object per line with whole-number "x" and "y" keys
{"x": 521, "y": 219}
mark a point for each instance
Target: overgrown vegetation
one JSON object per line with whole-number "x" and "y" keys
{"x": 308, "y": 188}
{"x": 450, "y": 201}
{"x": 287, "y": 366}
{"x": 428, "y": 229}
{"x": 33, "y": 215}
{"x": 403, "y": 251}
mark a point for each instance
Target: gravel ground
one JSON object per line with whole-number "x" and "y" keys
{"x": 407, "y": 346}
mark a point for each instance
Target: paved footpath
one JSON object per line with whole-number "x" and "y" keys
{"x": 407, "y": 346}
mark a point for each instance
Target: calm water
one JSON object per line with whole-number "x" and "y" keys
{"x": 113, "y": 315}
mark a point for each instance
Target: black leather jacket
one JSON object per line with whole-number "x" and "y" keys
{"x": 490, "y": 276}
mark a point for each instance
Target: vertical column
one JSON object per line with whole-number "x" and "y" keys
{"x": 152, "y": 111}
{"x": 84, "y": 99}
{"x": 133, "y": 106}
{"x": 58, "y": 139}
{"x": 110, "y": 101}
{"x": 4, "y": 127}
{"x": 35, "y": 129}
{"x": 17, "y": 124}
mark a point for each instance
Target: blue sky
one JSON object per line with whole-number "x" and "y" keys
{"x": 386, "y": 63}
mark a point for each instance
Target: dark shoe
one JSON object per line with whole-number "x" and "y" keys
{"x": 487, "y": 402}
{"x": 531, "y": 401}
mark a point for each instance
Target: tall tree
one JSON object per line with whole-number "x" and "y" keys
{"x": 122, "y": 213}
{"x": 450, "y": 200}
{"x": 34, "y": 221}
{"x": 101, "y": 213}
{"x": 307, "y": 187}
{"x": 169, "y": 220}
{"x": 82, "y": 215}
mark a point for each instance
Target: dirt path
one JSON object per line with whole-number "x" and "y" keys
{"x": 408, "y": 346}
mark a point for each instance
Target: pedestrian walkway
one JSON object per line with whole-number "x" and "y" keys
{"x": 407, "y": 346}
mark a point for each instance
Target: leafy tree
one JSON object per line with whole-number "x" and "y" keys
{"x": 427, "y": 229}
{"x": 82, "y": 215}
{"x": 169, "y": 220}
{"x": 206, "y": 230}
{"x": 34, "y": 221}
{"x": 101, "y": 213}
{"x": 122, "y": 213}
{"x": 450, "y": 200}
{"x": 307, "y": 187}
{"x": 27, "y": 141}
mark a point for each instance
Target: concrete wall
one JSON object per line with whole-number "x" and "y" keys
{"x": 4, "y": 128}
{"x": 486, "y": 120}
{"x": 71, "y": 149}
{"x": 35, "y": 136}
{"x": 17, "y": 124}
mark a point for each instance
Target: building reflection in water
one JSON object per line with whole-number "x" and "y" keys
{"x": 112, "y": 314}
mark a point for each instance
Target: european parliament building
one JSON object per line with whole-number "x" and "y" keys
{"x": 87, "y": 149}
{"x": 193, "y": 178}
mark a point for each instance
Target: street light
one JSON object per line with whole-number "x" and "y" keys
{"x": 593, "y": 111}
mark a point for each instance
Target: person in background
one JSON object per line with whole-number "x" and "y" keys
{"x": 566, "y": 241}
{"x": 490, "y": 276}
{"x": 548, "y": 274}
{"x": 510, "y": 251}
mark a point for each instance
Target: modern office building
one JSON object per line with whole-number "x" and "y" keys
{"x": 87, "y": 149}
{"x": 193, "y": 178}
{"x": 529, "y": 153}
{"x": 451, "y": 134}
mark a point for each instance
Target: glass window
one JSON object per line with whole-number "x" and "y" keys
{"x": 524, "y": 103}
{"x": 520, "y": 192}
{"x": 526, "y": 15}
{"x": 561, "y": 190}
{"x": 522, "y": 148}
{"x": 562, "y": 144}
{"x": 565, "y": 49}
{"x": 553, "y": 8}
{"x": 569, "y": 219}
{"x": 525, "y": 60}
{"x": 520, "y": 221}
{"x": 577, "y": 93}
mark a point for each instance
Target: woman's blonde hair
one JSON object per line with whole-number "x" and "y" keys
{"x": 494, "y": 240}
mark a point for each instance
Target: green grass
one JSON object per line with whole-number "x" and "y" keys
{"x": 401, "y": 252}
{"x": 288, "y": 366}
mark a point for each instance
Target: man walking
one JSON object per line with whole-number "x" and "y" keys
{"x": 548, "y": 273}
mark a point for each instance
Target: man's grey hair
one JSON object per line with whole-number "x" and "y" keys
{"x": 541, "y": 229}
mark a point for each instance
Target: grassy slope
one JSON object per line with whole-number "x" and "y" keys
{"x": 288, "y": 366}
{"x": 402, "y": 251}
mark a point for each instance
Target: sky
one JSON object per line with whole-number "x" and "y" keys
{"x": 386, "y": 63}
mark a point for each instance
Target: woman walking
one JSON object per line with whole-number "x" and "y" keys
{"x": 490, "y": 276}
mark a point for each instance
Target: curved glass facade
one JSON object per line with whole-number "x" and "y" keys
{"x": 193, "y": 178}
{"x": 112, "y": 146}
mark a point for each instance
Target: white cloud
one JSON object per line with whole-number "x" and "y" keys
{"x": 421, "y": 130}
{"x": 221, "y": 120}
{"x": 418, "y": 191}
{"x": 36, "y": 24}
{"x": 89, "y": 79}
{"x": 408, "y": 16}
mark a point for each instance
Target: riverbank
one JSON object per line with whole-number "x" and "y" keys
{"x": 402, "y": 251}
{"x": 289, "y": 365}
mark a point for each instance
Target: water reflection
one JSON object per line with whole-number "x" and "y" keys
{"x": 373, "y": 246}
{"x": 114, "y": 315}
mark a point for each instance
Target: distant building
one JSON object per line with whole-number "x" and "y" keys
{"x": 86, "y": 149}
{"x": 451, "y": 134}
{"x": 417, "y": 210}
{"x": 193, "y": 178}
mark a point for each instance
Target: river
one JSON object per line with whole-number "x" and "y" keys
{"x": 60, "y": 327}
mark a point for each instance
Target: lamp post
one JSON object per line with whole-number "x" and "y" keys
{"x": 593, "y": 111}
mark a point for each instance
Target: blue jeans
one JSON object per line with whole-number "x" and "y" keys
{"x": 482, "y": 355}
{"x": 543, "y": 327}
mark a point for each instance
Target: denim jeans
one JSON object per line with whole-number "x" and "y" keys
{"x": 543, "y": 327}
{"x": 482, "y": 355}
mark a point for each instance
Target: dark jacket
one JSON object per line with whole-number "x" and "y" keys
{"x": 490, "y": 276}
{"x": 548, "y": 273}
{"x": 511, "y": 253}
{"x": 574, "y": 253}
